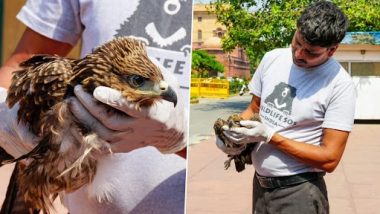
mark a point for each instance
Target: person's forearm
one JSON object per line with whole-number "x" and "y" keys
{"x": 11, "y": 65}
{"x": 317, "y": 156}
{"x": 247, "y": 114}
{"x": 253, "y": 107}
{"x": 5, "y": 77}
{"x": 30, "y": 43}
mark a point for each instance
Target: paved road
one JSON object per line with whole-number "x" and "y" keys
{"x": 207, "y": 111}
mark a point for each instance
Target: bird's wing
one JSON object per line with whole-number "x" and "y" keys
{"x": 40, "y": 84}
{"x": 4, "y": 157}
{"x": 14, "y": 202}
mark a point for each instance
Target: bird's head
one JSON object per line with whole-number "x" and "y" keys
{"x": 132, "y": 72}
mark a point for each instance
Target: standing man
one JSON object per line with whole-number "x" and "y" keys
{"x": 306, "y": 102}
{"x": 148, "y": 174}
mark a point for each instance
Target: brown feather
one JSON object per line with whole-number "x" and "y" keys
{"x": 60, "y": 163}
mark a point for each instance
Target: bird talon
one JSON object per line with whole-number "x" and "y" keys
{"x": 227, "y": 163}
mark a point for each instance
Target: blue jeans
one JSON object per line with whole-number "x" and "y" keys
{"x": 305, "y": 198}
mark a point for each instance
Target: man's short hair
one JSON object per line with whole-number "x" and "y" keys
{"x": 322, "y": 23}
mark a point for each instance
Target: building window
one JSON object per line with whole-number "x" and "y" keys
{"x": 346, "y": 67}
{"x": 199, "y": 34}
{"x": 241, "y": 53}
{"x": 219, "y": 32}
{"x": 362, "y": 68}
{"x": 199, "y": 18}
{"x": 365, "y": 68}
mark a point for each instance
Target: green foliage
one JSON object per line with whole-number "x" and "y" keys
{"x": 204, "y": 63}
{"x": 236, "y": 84}
{"x": 260, "y": 28}
{"x": 364, "y": 15}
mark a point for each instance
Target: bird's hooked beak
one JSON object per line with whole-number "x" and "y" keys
{"x": 167, "y": 92}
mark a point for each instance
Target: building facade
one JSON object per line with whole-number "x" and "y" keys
{"x": 359, "y": 54}
{"x": 207, "y": 34}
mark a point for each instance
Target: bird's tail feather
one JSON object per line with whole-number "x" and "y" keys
{"x": 14, "y": 203}
{"x": 65, "y": 166}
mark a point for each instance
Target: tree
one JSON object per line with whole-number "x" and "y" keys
{"x": 363, "y": 15}
{"x": 204, "y": 63}
{"x": 259, "y": 26}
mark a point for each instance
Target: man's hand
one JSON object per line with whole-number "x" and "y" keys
{"x": 15, "y": 138}
{"x": 253, "y": 131}
{"x": 161, "y": 125}
{"x": 229, "y": 150}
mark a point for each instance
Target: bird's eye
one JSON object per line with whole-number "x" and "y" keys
{"x": 136, "y": 81}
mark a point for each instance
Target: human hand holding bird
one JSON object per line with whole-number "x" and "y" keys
{"x": 163, "y": 126}
{"x": 250, "y": 131}
{"x": 237, "y": 138}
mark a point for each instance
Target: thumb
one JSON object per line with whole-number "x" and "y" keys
{"x": 115, "y": 99}
{"x": 240, "y": 130}
{"x": 249, "y": 123}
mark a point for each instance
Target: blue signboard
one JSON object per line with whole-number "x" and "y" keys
{"x": 372, "y": 38}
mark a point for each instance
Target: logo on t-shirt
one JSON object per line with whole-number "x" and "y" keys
{"x": 277, "y": 107}
{"x": 165, "y": 27}
{"x": 282, "y": 98}
{"x": 163, "y": 24}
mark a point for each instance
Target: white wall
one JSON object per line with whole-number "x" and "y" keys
{"x": 368, "y": 88}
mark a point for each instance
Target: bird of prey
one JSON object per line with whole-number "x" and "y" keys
{"x": 66, "y": 155}
{"x": 244, "y": 157}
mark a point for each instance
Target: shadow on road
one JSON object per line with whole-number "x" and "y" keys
{"x": 223, "y": 105}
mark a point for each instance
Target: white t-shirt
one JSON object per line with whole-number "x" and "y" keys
{"x": 147, "y": 182}
{"x": 165, "y": 25}
{"x": 298, "y": 103}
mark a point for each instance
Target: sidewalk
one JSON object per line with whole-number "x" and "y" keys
{"x": 354, "y": 187}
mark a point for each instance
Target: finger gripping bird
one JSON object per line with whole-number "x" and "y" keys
{"x": 244, "y": 157}
{"x": 66, "y": 155}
